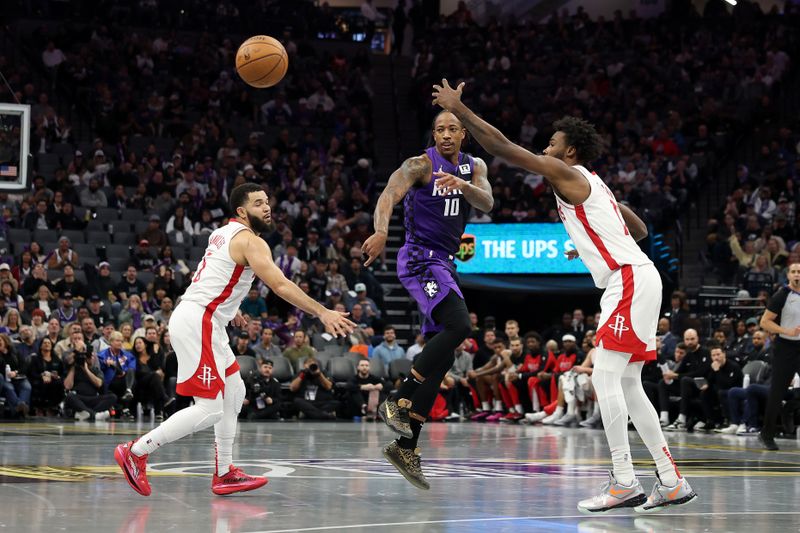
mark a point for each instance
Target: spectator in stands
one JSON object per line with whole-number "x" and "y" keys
{"x": 265, "y": 348}
{"x": 66, "y": 312}
{"x": 103, "y": 341}
{"x": 149, "y": 380}
{"x": 695, "y": 364}
{"x": 365, "y": 391}
{"x": 69, "y": 283}
{"x": 163, "y": 314}
{"x": 242, "y": 345}
{"x": 416, "y": 348}
{"x": 119, "y": 369}
{"x": 63, "y": 255}
{"x": 130, "y": 285}
{"x": 723, "y": 375}
{"x": 668, "y": 339}
{"x": 23, "y": 268}
{"x": 254, "y": 305}
{"x": 102, "y": 284}
{"x": 336, "y": 280}
{"x": 92, "y": 196}
{"x": 679, "y": 313}
{"x": 359, "y": 318}
{"x": 263, "y": 394}
{"x": 154, "y": 234}
{"x": 356, "y": 274}
{"x": 388, "y": 350}
{"x": 38, "y": 218}
{"x": 11, "y": 324}
{"x": 299, "y": 349}
{"x": 761, "y": 350}
{"x": 143, "y": 258}
{"x": 16, "y": 387}
{"x": 312, "y": 389}
{"x": 84, "y": 383}
{"x": 8, "y": 294}
{"x": 46, "y": 373}
{"x": 97, "y": 313}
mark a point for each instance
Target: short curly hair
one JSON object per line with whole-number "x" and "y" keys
{"x": 589, "y": 145}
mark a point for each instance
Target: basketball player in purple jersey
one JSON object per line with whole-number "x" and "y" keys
{"x": 438, "y": 188}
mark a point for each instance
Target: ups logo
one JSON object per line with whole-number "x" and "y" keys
{"x": 466, "y": 249}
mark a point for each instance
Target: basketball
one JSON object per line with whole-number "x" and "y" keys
{"x": 261, "y": 61}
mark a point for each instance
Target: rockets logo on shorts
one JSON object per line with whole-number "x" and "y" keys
{"x": 206, "y": 376}
{"x": 618, "y": 327}
{"x": 431, "y": 289}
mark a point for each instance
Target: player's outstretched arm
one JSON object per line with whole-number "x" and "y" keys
{"x": 637, "y": 228}
{"x": 497, "y": 144}
{"x": 256, "y": 253}
{"x": 413, "y": 170}
{"x": 478, "y": 192}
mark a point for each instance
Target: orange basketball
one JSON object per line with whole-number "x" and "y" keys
{"x": 261, "y": 61}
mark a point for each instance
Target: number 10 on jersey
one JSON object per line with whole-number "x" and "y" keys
{"x": 451, "y": 207}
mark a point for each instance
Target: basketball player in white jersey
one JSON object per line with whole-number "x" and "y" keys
{"x": 207, "y": 368}
{"x": 605, "y": 235}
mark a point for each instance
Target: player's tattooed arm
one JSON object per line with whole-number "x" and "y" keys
{"x": 412, "y": 171}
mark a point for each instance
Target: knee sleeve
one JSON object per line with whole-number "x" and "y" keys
{"x": 208, "y": 412}
{"x": 234, "y": 392}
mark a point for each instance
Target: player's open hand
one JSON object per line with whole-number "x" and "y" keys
{"x": 447, "y": 182}
{"x": 373, "y": 247}
{"x": 572, "y": 254}
{"x": 336, "y": 323}
{"x": 447, "y": 97}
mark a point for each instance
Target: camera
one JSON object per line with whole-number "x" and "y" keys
{"x": 80, "y": 358}
{"x": 313, "y": 367}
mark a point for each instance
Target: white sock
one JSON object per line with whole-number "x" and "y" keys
{"x": 606, "y": 378}
{"x": 559, "y": 412}
{"x": 485, "y": 406}
{"x": 535, "y": 401}
{"x": 596, "y": 411}
{"x": 498, "y": 405}
{"x": 665, "y": 416}
{"x": 225, "y": 429}
{"x": 204, "y": 413}
{"x": 646, "y": 421}
{"x": 519, "y": 408}
{"x": 682, "y": 419}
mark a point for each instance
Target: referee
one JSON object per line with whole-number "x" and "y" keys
{"x": 782, "y": 318}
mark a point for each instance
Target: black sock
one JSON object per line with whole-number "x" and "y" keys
{"x": 410, "y": 444}
{"x": 407, "y": 388}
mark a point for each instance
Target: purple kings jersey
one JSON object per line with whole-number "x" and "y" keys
{"x": 435, "y": 220}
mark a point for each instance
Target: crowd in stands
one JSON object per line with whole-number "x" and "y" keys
{"x": 667, "y": 95}
{"x": 101, "y": 248}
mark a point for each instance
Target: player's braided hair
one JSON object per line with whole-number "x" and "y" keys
{"x": 589, "y": 145}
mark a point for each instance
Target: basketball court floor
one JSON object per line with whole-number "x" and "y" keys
{"x": 60, "y": 476}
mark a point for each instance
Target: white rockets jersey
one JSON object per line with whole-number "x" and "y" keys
{"x": 598, "y": 231}
{"x": 220, "y": 284}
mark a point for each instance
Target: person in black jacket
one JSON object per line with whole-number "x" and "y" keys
{"x": 695, "y": 364}
{"x": 723, "y": 375}
{"x": 263, "y": 394}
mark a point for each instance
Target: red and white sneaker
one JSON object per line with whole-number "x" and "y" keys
{"x": 134, "y": 467}
{"x": 236, "y": 481}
